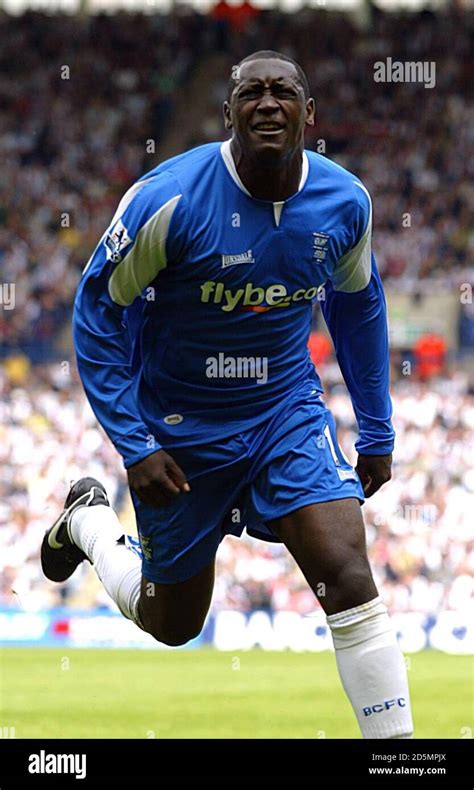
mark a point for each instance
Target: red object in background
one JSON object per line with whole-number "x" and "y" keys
{"x": 319, "y": 348}
{"x": 430, "y": 355}
{"x": 237, "y": 16}
{"x": 61, "y": 627}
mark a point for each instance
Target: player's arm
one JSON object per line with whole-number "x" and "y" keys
{"x": 355, "y": 311}
{"x": 130, "y": 255}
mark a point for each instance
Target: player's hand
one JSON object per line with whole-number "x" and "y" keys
{"x": 374, "y": 471}
{"x": 157, "y": 480}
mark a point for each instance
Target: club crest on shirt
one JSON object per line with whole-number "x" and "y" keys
{"x": 116, "y": 241}
{"x": 320, "y": 243}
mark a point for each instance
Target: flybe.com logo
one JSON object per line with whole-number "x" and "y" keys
{"x": 256, "y": 298}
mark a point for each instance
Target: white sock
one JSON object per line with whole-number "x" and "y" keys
{"x": 372, "y": 670}
{"x": 96, "y": 531}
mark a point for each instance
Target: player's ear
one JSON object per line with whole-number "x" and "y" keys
{"x": 227, "y": 115}
{"x": 310, "y": 112}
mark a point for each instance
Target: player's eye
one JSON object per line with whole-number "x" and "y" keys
{"x": 286, "y": 93}
{"x": 279, "y": 91}
{"x": 249, "y": 93}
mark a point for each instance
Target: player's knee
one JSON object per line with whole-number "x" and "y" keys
{"x": 346, "y": 580}
{"x": 354, "y": 580}
{"x": 345, "y": 570}
{"x": 173, "y": 636}
{"x": 357, "y": 577}
{"x": 177, "y": 638}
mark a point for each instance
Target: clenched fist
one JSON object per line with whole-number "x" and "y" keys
{"x": 374, "y": 471}
{"x": 158, "y": 479}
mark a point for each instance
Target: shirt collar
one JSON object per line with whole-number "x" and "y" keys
{"x": 230, "y": 164}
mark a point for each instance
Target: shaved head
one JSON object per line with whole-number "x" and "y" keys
{"x": 267, "y": 54}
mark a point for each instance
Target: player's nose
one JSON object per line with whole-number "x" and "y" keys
{"x": 267, "y": 103}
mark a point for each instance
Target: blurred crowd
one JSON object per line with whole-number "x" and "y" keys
{"x": 85, "y": 103}
{"x": 420, "y": 529}
{"x": 48, "y": 437}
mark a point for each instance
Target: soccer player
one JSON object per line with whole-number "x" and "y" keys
{"x": 191, "y": 325}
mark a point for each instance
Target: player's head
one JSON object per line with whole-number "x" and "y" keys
{"x": 268, "y": 105}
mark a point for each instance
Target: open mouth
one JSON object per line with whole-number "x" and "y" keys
{"x": 268, "y": 128}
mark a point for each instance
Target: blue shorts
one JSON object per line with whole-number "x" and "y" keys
{"x": 243, "y": 482}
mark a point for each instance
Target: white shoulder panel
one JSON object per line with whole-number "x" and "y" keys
{"x": 145, "y": 259}
{"x": 353, "y": 270}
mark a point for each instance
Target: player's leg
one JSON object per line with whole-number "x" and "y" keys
{"x": 299, "y": 464}
{"x": 165, "y": 586}
{"x": 179, "y": 541}
{"x": 175, "y": 613}
{"x": 327, "y": 541}
{"x": 89, "y": 529}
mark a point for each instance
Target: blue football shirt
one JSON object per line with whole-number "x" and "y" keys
{"x": 192, "y": 316}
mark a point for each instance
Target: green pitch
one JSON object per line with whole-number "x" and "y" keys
{"x": 204, "y": 693}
